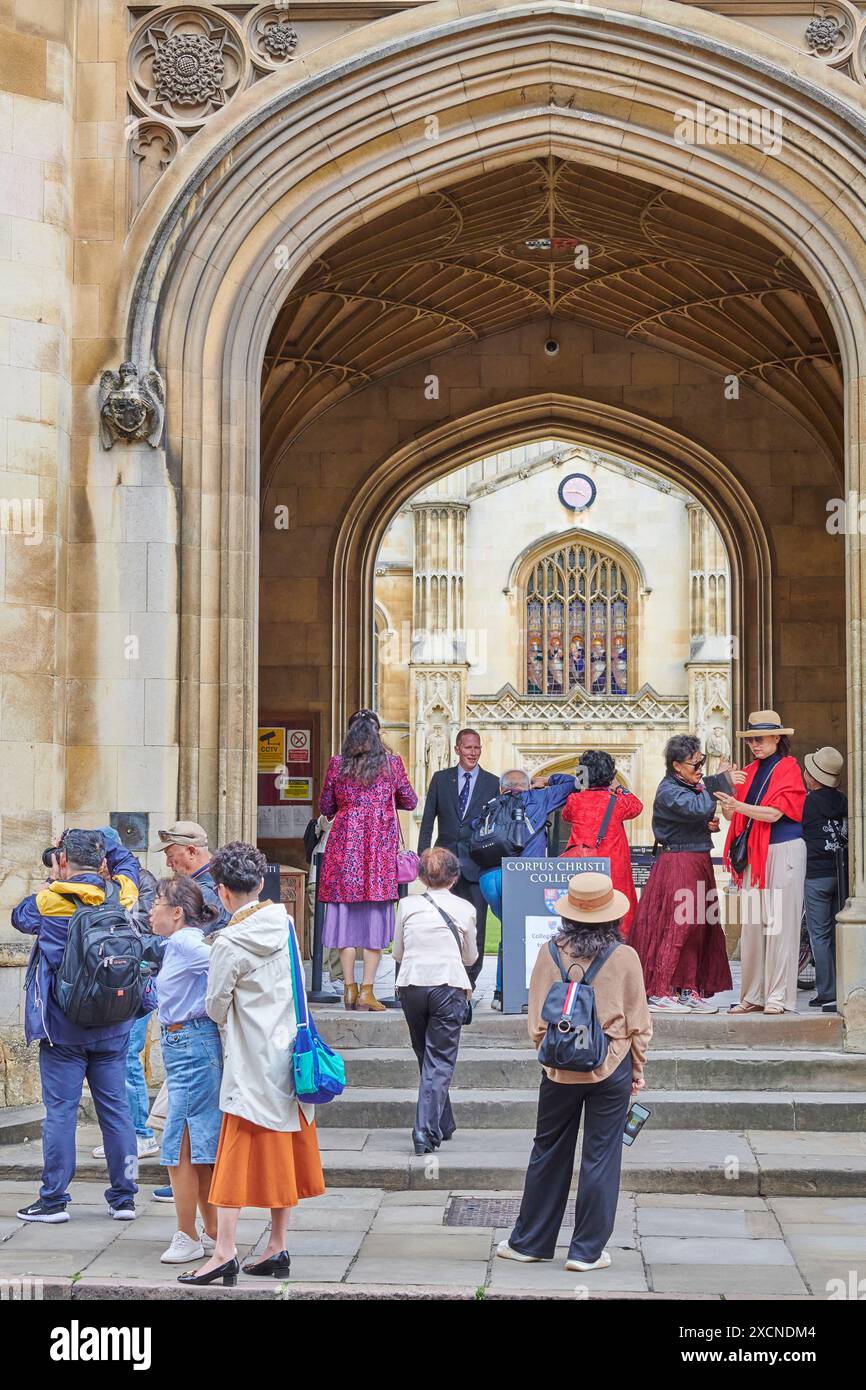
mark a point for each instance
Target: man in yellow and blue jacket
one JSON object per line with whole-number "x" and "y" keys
{"x": 68, "y": 1053}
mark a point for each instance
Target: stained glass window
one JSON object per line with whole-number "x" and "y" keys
{"x": 577, "y": 624}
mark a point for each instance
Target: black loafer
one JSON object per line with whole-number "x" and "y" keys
{"x": 422, "y": 1142}
{"x": 274, "y": 1267}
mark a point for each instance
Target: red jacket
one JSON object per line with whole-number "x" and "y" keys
{"x": 585, "y": 812}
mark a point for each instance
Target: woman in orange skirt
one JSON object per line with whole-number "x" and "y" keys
{"x": 268, "y": 1153}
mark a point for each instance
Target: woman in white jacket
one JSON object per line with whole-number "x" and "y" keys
{"x": 268, "y": 1152}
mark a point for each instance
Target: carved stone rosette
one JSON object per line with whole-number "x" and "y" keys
{"x": 272, "y": 37}
{"x": 185, "y": 64}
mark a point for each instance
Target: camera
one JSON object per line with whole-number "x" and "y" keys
{"x": 551, "y": 347}
{"x": 48, "y": 854}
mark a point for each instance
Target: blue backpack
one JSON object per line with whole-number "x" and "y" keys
{"x": 575, "y": 1040}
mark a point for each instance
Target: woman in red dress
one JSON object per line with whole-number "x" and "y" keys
{"x": 358, "y": 874}
{"x": 585, "y": 810}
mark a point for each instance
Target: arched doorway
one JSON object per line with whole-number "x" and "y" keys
{"x": 211, "y": 286}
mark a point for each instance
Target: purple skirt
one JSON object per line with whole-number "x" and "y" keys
{"x": 365, "y": 925}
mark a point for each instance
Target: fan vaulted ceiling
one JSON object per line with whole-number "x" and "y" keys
{"x": 454, "y": 266}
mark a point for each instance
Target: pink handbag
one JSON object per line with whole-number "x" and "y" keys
{"x": 407, "y": 860}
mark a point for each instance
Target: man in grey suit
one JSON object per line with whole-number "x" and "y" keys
{"x": 454, "y": 798}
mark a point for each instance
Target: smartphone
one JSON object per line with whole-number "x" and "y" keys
{"x": 634, "y": 1122}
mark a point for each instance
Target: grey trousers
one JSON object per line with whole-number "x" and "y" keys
{"x": 434, "y": 1014}
{"x": 822, "y": 904}
{"x": 603, "y": 1106}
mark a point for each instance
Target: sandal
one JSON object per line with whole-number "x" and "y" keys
{"x": 743, "y": 1008}
{"x": 773, "y": 1009}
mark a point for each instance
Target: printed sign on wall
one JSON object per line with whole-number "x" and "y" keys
{"x": 272, "y": 748}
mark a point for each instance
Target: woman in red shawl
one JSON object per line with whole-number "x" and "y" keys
{"x": 770, "y": 807}
{"x": 585, "y": 810}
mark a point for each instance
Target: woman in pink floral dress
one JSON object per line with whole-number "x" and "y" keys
{"x": 358, "y": 876}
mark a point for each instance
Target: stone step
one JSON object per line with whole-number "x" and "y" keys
{"x": 377, "y": 1108}
{"x": 20, "y": 1122}
{"x": 722, "y": 1162}
{"x": 343, "y": 1029}
{"x": 686, "y": 1069}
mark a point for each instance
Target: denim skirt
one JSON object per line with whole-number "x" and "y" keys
{"x": 193, "y": 1060}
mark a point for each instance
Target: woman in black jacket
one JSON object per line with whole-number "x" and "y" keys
{"x": 676, "y": 931}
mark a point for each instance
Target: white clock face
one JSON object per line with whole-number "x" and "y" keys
{"x": 577, "y": 492}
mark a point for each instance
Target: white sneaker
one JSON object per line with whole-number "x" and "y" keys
{"x": 182, "y": 1250}
{"x": 583, "y": 1266}
{"x": 505, "y": 1252}
{"x": 697, "y": 1005}
{"x": 147, "y": 1148}
{"x": 659, "y": 1004}
{"x": 207, "y": 1243}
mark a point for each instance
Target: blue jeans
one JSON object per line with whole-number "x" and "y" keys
{"x": 490, "y": 884}
{"x": 63, "y": 1069}
{"x": 821, "y": 899}
{"x": 136, "y": 1086}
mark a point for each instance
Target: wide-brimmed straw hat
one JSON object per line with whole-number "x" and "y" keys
{"x": 763, "y": 721}
{"x": 592, "y": 897}
{"x": 825, "y": 766}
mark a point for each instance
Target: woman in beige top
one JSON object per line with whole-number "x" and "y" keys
{"x": 434, "y": 941}
{"x": 590, "y": 917}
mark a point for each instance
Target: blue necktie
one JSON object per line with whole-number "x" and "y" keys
{"x": 463, "y": 799}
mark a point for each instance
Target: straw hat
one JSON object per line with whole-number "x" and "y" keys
{"x": 763, "y": 721}
{"x": 825, "y": 766}
{"x": 592, "y": 897}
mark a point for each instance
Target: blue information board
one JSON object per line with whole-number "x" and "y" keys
{"x": 530, "y": 888}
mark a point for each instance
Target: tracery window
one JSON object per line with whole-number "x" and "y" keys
{"x": 577, "y": 635}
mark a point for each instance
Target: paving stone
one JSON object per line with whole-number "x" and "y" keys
{"x": 341, "y": 1138}
{"x": 685, "y": 1221}
{"x": 427, "y": 1197}
{"x": 410, "y": 1218}
{"x": 797, "y": 1143}
{"x": 324, "y": 1242}
{"x": 444, "y": 1243}
{"x": 839, "y": 1280}
{"x": 714, "y": 1250}
{"x": 702, "y": 1201}
{"x": 794, "y": 1210}
{"x": 450, "y": 1273}
{"x": 345, "y": 1197}
{"x": 747, "y": 1281}
{"x": 826, "y": 1243}
{"x": 348, "y": 1219}
{"x": 625, "y": 1274}
{"x": 310, "y": 1268}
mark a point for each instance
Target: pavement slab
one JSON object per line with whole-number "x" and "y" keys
{"x": 747, "y": 1281}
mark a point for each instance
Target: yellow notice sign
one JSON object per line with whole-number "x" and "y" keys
{"x": 296, "y": 789}
{"x": 272, "y": 748}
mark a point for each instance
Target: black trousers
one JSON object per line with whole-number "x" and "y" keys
{"x": 435, "y": 1015}
{"x": 604, "y": 1106}
{"x": 471, "y": 893}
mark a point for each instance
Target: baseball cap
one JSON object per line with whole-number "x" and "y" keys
{"x": 183, "y": 832}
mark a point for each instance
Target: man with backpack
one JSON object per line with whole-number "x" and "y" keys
{"x": 83, "y": 991}
{"x": 514, "y": 824}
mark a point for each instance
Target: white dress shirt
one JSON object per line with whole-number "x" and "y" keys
{"x": 424, "y": 944}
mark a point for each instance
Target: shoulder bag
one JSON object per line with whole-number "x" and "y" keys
{"x": 407, "y": 859}
{"x": 319, "y": 1072}
{"x": 455, "y": 932}
{"x": 739, "y": 852}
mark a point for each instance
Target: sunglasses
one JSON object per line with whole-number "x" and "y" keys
{"x": 699, "y": 764}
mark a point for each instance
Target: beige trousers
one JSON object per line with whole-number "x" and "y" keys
{"x": 770, "y": 932}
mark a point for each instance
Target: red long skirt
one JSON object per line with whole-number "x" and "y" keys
{"x": 676, "y": 930}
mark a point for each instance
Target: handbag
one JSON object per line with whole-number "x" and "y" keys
{"x": 319, "y": 1072}
{"x": 455, "y": 932}
{"x": 407, "y": 860}
{"x": 739, "y": 851}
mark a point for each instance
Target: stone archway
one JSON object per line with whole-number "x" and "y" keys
{"x": 603, "y": 85}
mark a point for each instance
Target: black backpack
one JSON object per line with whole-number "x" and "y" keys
{"x": 574, "y": 1040}
{"x": 502, "y": 831}
{"x": 100, "y": 981}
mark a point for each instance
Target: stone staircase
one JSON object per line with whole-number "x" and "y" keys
{"x": 742, "y": 1106}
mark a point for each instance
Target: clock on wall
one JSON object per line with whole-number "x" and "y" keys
{"x": 577, "y": 492}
